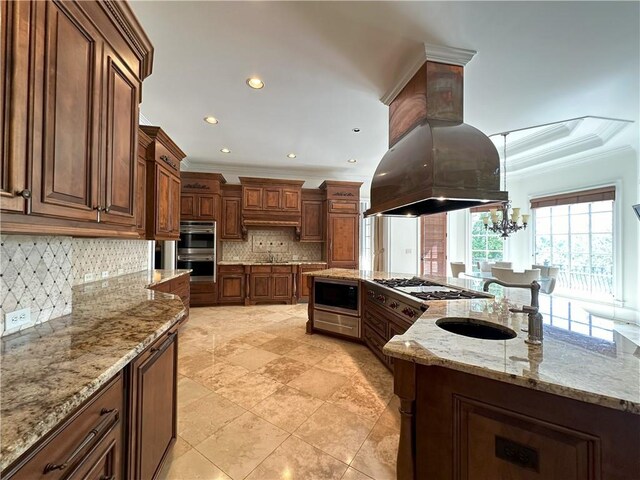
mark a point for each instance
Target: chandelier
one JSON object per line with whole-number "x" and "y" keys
{"x": 504, "y": 222}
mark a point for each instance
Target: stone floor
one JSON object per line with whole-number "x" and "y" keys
{"x": 259, "y": 399}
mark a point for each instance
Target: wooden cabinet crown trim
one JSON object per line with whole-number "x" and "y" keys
{"x": 269, "y": 181}
{"x": 156, "y": 133}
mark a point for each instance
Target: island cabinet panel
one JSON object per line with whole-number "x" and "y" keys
{"x": 90, "y": 440}
{"x": 303, "y": 289}
{"x": 461, "y": 426}
{"x": 152, "y": 423}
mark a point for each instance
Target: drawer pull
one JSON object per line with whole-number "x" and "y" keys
{"x": 93, "y": 433}
{"x": 107, "y": 477}
{"x": 164, "y": 345}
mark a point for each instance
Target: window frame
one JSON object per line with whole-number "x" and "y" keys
{"x": 470, "y": 222}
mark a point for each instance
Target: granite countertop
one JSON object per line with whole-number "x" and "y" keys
{"x": 48, "y": 370}
{"x": 601, "y": 365}
{"x": 293, "y": 262}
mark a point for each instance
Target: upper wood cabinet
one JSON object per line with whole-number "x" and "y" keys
{"x": 71, "y": 84}
{"x": 163, "y": 202}
{"x": 200, "y": 197}
{"x": 230, "y": 216}
{"x": 266, "y": 195}
{"x": 342, "y": 247}
{"x": 312, "y": 229}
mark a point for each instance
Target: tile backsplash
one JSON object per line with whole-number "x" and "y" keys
{"x": 280, "y": 242}
{"x": 38, "y": 272}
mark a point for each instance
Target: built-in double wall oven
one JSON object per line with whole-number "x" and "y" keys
{"x": 197, "y": 249}
{"x": 337, "y": 306}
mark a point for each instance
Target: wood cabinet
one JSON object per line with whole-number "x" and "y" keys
{"x": 86, "y": 445}
{"x": 271, "y": 284}
{"x": 200, "y": 198}
{"x": 180, "y": 286}
{"x": 77, "y": 79}
{"x": 231, "y": 212}
{"x": 231, "y": 284}
{"x": 163, "y": 157}
{"x": 303, "y": 280}
{"x": 457, "y": 425}
{"x": 141, "y": 183}
{"x": 204, "y": 293}
{"x": 153, "y": 406}
{"x": 312, "y": 228}
{"x": 342, "y": 206}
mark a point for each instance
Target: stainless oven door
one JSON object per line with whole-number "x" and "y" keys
{"x": 203, "y": 266}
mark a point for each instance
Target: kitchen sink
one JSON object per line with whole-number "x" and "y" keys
{"x": 474, "y": 328}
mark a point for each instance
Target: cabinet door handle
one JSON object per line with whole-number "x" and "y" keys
{"x": 164, "y": 345}
{"x": 93, "y": 433}
{"x": 107, "y": 477}
{"x": 26, "y": 193}
{"x": 107, "y": 210}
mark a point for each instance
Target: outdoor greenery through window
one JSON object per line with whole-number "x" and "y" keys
{"x": 578, "y": 238}
{"x": 486, "y": 246}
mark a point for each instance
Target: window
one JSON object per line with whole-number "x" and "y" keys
{"x": 579, "y": 239}
{"x": 486, "y": 246}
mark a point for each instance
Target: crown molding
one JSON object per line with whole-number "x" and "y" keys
{"x": 430, "y": 52}
{"x": 574, "y": 160}
{"x": 142, "y": 120}
{"x": 540, "y": 138}
{"x": 450, "y": 55}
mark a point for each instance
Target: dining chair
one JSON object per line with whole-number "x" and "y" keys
{"x": 504, "y": 264}
{"x": 457, "y": 268}
{"x": 485, "y": 266}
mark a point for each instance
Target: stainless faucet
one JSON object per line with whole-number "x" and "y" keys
{"x": 272, "y": 257}
{"x": 534, "y": 336}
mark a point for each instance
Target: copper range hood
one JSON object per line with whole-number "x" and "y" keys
{"x": 435, "y": 163}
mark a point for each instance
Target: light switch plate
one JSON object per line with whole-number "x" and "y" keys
{"x": 105, "y": 274}
{"x": 17, "y": 319}
{"x": 89, "y": 277}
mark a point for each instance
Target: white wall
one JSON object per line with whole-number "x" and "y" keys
{"x": 401, "y": 245}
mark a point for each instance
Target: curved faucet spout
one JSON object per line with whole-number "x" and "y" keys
{"x": 534, "y": 287}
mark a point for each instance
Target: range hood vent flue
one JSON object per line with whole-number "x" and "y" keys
{"x": 435, "y": 163}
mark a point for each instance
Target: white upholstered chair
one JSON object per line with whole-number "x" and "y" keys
{"x": 504, "y": 264}
{"x": 457, "y": 268}
{"x": 485, "y": 266}
{"x": 509, "y": 276}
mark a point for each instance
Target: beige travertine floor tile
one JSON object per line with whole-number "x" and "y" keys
{"x": 377, "y": 456}
{"x": 319, "y": 383}
{"x": 353, "y": 474}
{"x": 359, "y": 397}
{"x": 231, "y": 348}
{"x": 249, "y": 389}
{"x": 341, "y": 363}
{"x": 241, "y": 445}
{"x": 190, "y": 391}
{"x": 391, "y": 415}
{"x": 218, "y": 375}
{"x": 308, "y": 354}
{"x": 190, "y": 364}
{"x": 252, "y": 359}
{"x": 256, "y": 338}
{"x": 295, "y": 459}
{"x": 335, "y": 431}
{"x": 283, "y": 369}
{"x": 280, "y": 345}
{"x": 201, "y": 418}
{"x": 287, "y": 408}
{"x": 192, "y": 466}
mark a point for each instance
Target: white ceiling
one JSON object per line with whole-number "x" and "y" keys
{"x": 326, "y": 65}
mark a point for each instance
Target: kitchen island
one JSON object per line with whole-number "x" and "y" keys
{"x": 54, "y": 370}
{"x": 474, "y": 408}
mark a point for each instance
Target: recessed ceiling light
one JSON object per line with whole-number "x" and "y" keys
{"x": 211, "y": 120}
{"x": 355, "y": 130}
{"x": 352, "y": 160}
{"x": 255, "y": 83}
{"x": 292, "y": 155}
{"x": 225, "y": 150}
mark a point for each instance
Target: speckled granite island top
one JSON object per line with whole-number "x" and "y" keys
{"x": 49, "y": 370}
{"x": 292, "y": 262}
{"x": 599, "y": 366}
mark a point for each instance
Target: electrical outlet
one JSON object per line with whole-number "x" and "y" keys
{"x": 15, "y": 320}
{"x": 89, "y": 277}
{"x": 121, "y": 271}
{"x": 105, "y": 274}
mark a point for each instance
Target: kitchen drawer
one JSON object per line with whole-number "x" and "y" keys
{"x": 72, "y": 443}
{"x": 165, "y": 287}
{"x": 230, "y": 268}
{"x": 261, "y": 268}
{"x": 378, "y": 324}
{"x": 338, "y": 206}
{"x": 202, "y": 287}
{"x": 375, "y": 343}
{"x": 336, "y": 323}
{"x": 282, "y": 269}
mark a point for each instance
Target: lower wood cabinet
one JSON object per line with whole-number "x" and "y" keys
{"x": 87, "y": 445}
{"x": 231, "y": 285}
{"x": 203, "y": 294}
{"x": 303, "y": 289}
{"x": 271, "y": 284}
{"x": 152, "y": 377}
